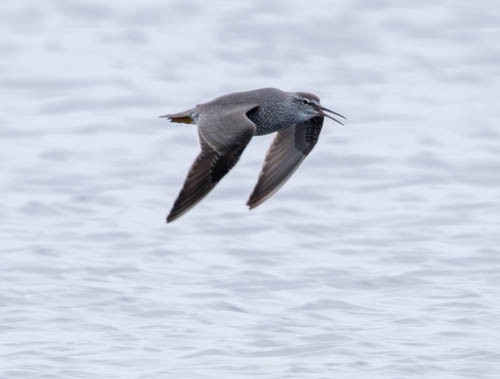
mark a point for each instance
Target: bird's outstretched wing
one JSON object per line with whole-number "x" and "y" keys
{"x": 288, "y": 150}
{"x": 223, "y": 137}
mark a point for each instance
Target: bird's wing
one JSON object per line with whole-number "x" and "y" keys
{"x": 223, "y": 139}
{"x": 288, "y": 150}
{"x": 223, "y": 126}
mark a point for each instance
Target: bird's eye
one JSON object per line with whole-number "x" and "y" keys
{"x": 305, "y": 101}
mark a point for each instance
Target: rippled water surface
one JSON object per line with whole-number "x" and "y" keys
{"x": 378, "y": 259}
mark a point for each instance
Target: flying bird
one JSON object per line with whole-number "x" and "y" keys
{"x": 227, "y": 124}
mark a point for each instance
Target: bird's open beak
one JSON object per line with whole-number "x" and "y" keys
{"x": 322, "y": 111}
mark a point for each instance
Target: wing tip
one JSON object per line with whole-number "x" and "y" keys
{"x": 172, "y": 217}
{"x": 251, "y": 205}
{"x": 182, "y": 206}
{"x": 254, "y": 201}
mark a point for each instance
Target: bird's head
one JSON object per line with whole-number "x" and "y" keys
{"x": 309, "y": 107}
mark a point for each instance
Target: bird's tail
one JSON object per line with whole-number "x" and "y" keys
{"x": 185, "y": 117}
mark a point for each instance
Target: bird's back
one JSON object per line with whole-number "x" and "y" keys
{"x": 260, "y": 96}
{"x": 270, "y": 115}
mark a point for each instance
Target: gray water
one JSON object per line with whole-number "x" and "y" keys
{"x": 378, "y": 259}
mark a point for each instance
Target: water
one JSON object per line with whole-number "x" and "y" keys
{"x": 378, "y": 259}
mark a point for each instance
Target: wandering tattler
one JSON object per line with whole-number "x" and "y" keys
{"x": 227, "y": 124}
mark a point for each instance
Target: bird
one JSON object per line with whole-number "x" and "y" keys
{"x": 226, "y": 125}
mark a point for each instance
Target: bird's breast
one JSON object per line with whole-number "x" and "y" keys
{"x": 268, "y": 121}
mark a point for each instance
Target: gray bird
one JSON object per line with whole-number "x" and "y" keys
{"x": 227, "y": 124}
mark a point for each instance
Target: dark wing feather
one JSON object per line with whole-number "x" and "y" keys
{"x": 288, "y": 150}
{"x": 207, "y": 170}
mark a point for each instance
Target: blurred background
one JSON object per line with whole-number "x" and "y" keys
{"x": 378, "y": 259}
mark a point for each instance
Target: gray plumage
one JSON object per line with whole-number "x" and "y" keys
{"x": 227, "y": 124}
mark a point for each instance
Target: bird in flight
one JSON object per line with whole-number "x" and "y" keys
{"x": 227, "y": 124}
